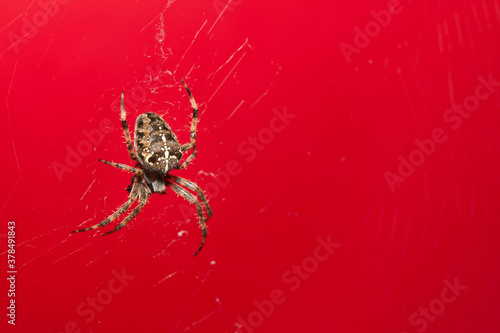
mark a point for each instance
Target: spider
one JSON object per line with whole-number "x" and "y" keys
{"x": 156, "y": 153}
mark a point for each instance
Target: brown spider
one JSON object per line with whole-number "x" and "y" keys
{"x": 157, "y": 152}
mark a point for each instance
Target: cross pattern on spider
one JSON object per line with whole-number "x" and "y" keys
{"x": 157, "y": 152}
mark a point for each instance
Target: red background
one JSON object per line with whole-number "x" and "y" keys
{"x": 321, "y": 175}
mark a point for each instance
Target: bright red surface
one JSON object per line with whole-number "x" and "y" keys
{"x": 320, "y": 174}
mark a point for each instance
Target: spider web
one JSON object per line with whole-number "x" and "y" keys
{"x": 399, "y": 245}
{"x": 169, "y": 66}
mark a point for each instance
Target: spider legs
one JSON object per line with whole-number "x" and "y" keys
{"x": 122, "y": 167}
{"x": 126, "y": 131}
{"x": 193, "y": 187}
{"x": 134, "y": 212}
{"x": 194, "y": 123}
{"x": 192, "y": 199}
{"x": 112, "y": 217}
{"x": 139, "y": 191}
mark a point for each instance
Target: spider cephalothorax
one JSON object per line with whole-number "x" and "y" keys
{"x": 157, "y": 152}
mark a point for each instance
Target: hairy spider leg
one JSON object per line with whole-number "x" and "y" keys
{"x": 194, "y": 123}
{"x": 192, "y": 199}
{"x": 134, "y": 212}
{"x": 113, "y": 216}
{"x": 122, "y": 167}
{"x": 193, "y": 187}
{"x": 126, "y": 131}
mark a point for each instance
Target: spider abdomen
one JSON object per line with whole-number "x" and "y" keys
{"x": 156, "y": 144}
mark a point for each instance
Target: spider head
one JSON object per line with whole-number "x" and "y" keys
{"x": 155, "y": 181}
